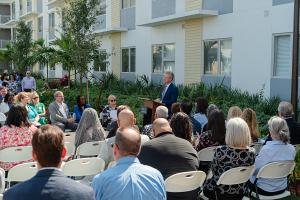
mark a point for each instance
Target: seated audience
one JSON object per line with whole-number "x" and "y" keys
{"x": 7, "y": 103}
{"x": 215, "y": 135}
{"x": 170, "y": 155}
{"x": 187, "y": 108}
{"x": 115, "y": 124}
{"x": 39, "y": 107}
{"x": 235, "y": 153}
{"x": 201, "y": 111}
{"x": 17, "y": 132}
{"x": 3, "y": 93}
{"x": 49, "y": 183}
{"x": 175, "y": 108}
{"x": 129, "y": 179}
{"x": 249, "y": 116}
{"x": 126, "y": 119}
{"x": 80, "y": 107}
{"x": 160, "y": 112}
{"x": 210, "y": 109}
{"x": 109, "y": 113}
{"x": 182, "y": 126}
{"x": 276, "y": 150}
{"x": 285, "y": 111}
{"x": 59, "y": 113}
{"x": 23, "y": 99}
{"x": 233, "y": 112}
{"x": 89, "y": 128}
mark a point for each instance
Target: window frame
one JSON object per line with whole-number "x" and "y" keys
{"x": 51, "y": 30}
{"x": 219, "y": 72}
{"x": 106, "y": 63}
{"x": 130, "y": 6}
{"x": 129, "y": 59}
{"x": 163, "y": 59}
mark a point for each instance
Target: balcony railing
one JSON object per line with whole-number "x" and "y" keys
{"x": 4, "y": 43}
{"x": 4, "y": 19}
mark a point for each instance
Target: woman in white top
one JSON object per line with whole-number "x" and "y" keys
{"x": 276, "y": 150}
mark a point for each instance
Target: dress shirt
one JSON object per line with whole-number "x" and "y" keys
{"x": 62, "y": 110}
{"x": 273, "y": 151}
{"x": 28, "y": 83}
{"x": 129, "y": 180}
{"x": 165, "y": 90}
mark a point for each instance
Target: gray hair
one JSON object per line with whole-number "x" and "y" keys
{"x": 162, "y": 112}
{"x": 170, "y": 73}
{"x": 57, "y": 93}
{"x": 211, "y": 108}
{"x": 237, "y": 133}
{"x": 279, "y": 129}
{"x": 89, "y": 128}
{"x": 285, "y": 109}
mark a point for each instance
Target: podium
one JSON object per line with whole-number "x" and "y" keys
{"x": 149, "y": 114}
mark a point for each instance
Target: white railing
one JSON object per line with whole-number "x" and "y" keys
{"x": 4, "y": 43}
{"x": 4, "y": 19}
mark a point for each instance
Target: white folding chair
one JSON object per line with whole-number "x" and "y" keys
{"x": 83, "y": 167}
{"x": 257, "y": 147}
{"x": 69, "y": 137}
{"x": 70, "y": 148}
{"x": 22, "y": 172}
{"x": 1, "y": 196}
{"x": 89, "y": 148}
{"x": 144, "y": 138}
{"x": 2, "y": 180}
{"x": 185, "y": 181}
{"x": 207, "y": 154}
{"x": 16, "y": 154}
{"x": 274, "y": 170}
{"x": 111, "y": 164}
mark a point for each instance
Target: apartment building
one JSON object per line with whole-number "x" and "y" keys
{"x": 244, "y": 44}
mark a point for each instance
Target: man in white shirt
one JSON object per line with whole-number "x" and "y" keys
{"x": 59, "y": 113}
{"x": 28, "y": 83}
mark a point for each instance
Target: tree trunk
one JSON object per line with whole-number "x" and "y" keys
{"x": 47, "y": 74}
{"x": 80, "y": 82}
{"x": 87, "y": 90}
{"x": 69, "y": 78}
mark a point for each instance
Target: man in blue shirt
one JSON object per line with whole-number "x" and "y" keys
{"x": 129, "y": 179}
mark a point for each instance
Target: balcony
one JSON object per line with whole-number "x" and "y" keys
{"x": 55, "y": 3}
{"x": 4, "y": 43}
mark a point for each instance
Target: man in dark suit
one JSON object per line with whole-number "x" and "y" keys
{"x": 49, "y": 183}
{"x": 169, "y": 155}
{"x": 169, "y": 94}
{"x": 286, "y": 111}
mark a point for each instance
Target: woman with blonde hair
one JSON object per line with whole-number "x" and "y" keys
{"x": 249, "y": 116}
{"x": 89, "y": 128}
{"x": 23, "y": 99}
{"x": 234, "y": 111}
{"x": 39, "y": 107}
{"x": 276, "y": 150}
{"x": 236, "y": 153}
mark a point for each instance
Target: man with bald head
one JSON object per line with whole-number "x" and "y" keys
{"x": 129, "y": 179}
{"x": 169, "y": 155}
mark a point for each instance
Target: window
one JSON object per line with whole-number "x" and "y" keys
{"x": 282, "y": 56}
{"x": 102, "y": 7}
{"x": 100, "y": 65}
{"x": 13, "y": 10}
{"x": 163, "y": 58}
{"x": 218, "y": 57}
{"x": 51, "y": 25}
{"x": 128, "y": 59}
{"x": 128, "y": 3}
{"x": 40, "y": 24}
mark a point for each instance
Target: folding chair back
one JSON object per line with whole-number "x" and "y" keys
{"x": 144, "y": 138}
{"x": 89, "y": 148}
{"x": 276, "y": 170}
{"x": 2, "y": 180}
{"x": 236, "y": 175}
{"x": 69, "y": 137}
{"x": 22, "y": 172}
{"x": 16, "y": 154}
{"x": 207, "y": 154}
{"x": 83, "y": 167}
{"x": 185, "y": 181}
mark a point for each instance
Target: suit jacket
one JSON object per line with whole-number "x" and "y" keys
{"x": 56, "y": 115}
{"x": 294, "y": 128}
{"x": 170, "y": 96}
{"x": 49, "y": 184}
{"x": 170, "y": 155}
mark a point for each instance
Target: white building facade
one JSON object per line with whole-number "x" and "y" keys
{"x": 245, "y": 44}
